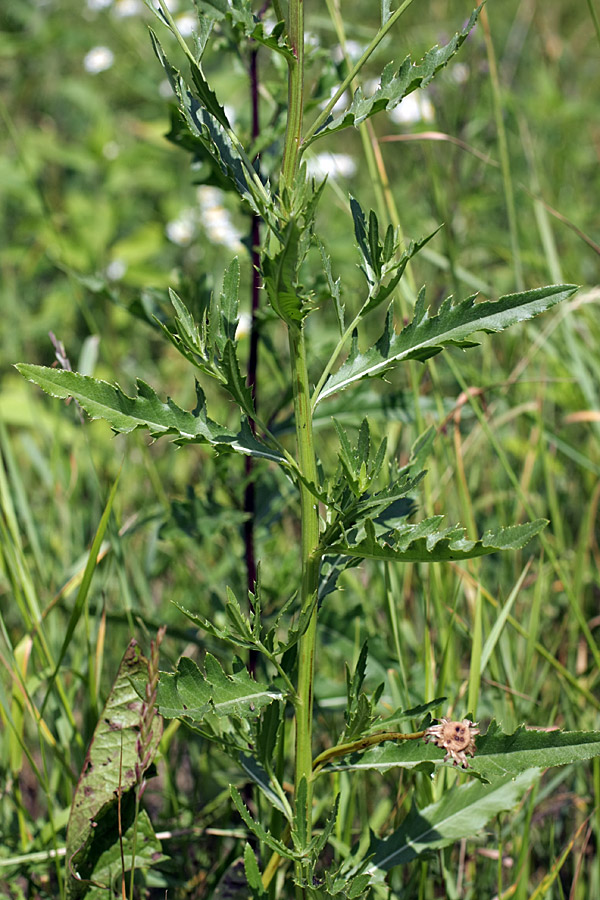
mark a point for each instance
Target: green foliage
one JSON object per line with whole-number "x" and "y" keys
{"x": 427, "y": 335}
{"x": 191, "y": 695}
{"x": 395, "y": 85}
{"x": 349, "y": 492}
{"x": 463, "y": 810}
{"x": 112, "y": 768}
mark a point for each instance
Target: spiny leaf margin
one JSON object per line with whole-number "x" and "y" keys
{"x": 427, "y": 335}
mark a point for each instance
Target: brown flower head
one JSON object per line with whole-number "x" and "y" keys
{"x": 456, "y": 738}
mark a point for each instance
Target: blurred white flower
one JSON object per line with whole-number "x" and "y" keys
{"x": 125, "y": 8}
{"x": 95, "y": 5}
{"x": 354, "y": 51}
{"x": 187, "y": 24}
{"x": 165, "y": 90}
{"x": 243, "y": 326}
{"x": 340, "y": 104}
{"x": 116, "y": 269}
{"x": 172, "y": 5}
{"x": 181, "y": 230}
{"x": 215, "y": 219}
{"x": 370, "y": 86}
{"x": 230, "y": 113}
{"x": 332, "y": 164}
{"x": 459, "y": 72}
{"x": 417, "y": 107}
{"x": 98, "y": 60}
{"x": 111, "y": 150}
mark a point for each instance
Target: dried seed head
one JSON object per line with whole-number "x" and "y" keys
{"x": 456, "y": 738}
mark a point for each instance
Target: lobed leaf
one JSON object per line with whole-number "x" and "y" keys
{"x": 427, "y": 335}
{"x": 424, "y": 543}
{"x": 188, "y": 693}
{"x": 395, "y": 85}
{"x": 102, "y": 400}
{"x": 257, "y": 829}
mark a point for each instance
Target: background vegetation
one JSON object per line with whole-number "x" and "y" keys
{"x": 99, "y": 214}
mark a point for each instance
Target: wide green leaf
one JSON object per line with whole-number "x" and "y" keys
{"x": 429, "y": 334}
{"x": 189, "y": 693}
{"x": 395, "y": 85}
{"x": 138, "y": 836}
{"x": 109, "y": 768}
{"x": 462, "y": 812}
{"x": 102, "y": 400}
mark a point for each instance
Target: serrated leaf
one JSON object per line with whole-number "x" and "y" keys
{"x": 497, "y": 755}
{"x": 253, "y": 875}
{"x": 501, "y": 754}
{"x": 333, "y": 285}
{"x": 110, "y": 763}
{"x": 276, "y": 39}
{"x": 234, "y": 382}
{"x": 207, "y": 122}
{"x": 320, "y": 842}
{"x": 424, "y": 543}
{"x": 395, "y": 85}
{"x": 462, "y": 812}
{"x": 188, "y": 693}
{"x": 280, "y": 273}
{"x": 205, "y": 93}
{"x": 257, "y": 829}
{"x": 224, "y": 634}
{"x": 428, "y": 335}
{"x": 102, "y": 400}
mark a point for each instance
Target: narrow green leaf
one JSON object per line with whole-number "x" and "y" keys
{"x": 206, "y": 95}
{"x": 102, "y": 400}
{"x": 259, "y": 776}
{"x": 253, "y": 873}
{"x": 257, "y": 829}
{"x": 229, "y": 300}
{"x": 280, "y": 273}
{"x": 428, "y": 335}
{"x": 395, "y": 85}
{"x": 299, "y": 832}
{"x": 82, "y": 593}
{"x": 234, "y": 382}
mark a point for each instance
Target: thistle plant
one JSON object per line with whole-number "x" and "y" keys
{"x": 361, "y": 507}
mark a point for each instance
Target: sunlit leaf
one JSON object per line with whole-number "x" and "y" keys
{"x": 191, "y": 694}
{"x": 427, "y": 335}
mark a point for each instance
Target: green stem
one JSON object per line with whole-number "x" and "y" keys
{"x": 310, "y": 565}
{"x": 293, "y": 134}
